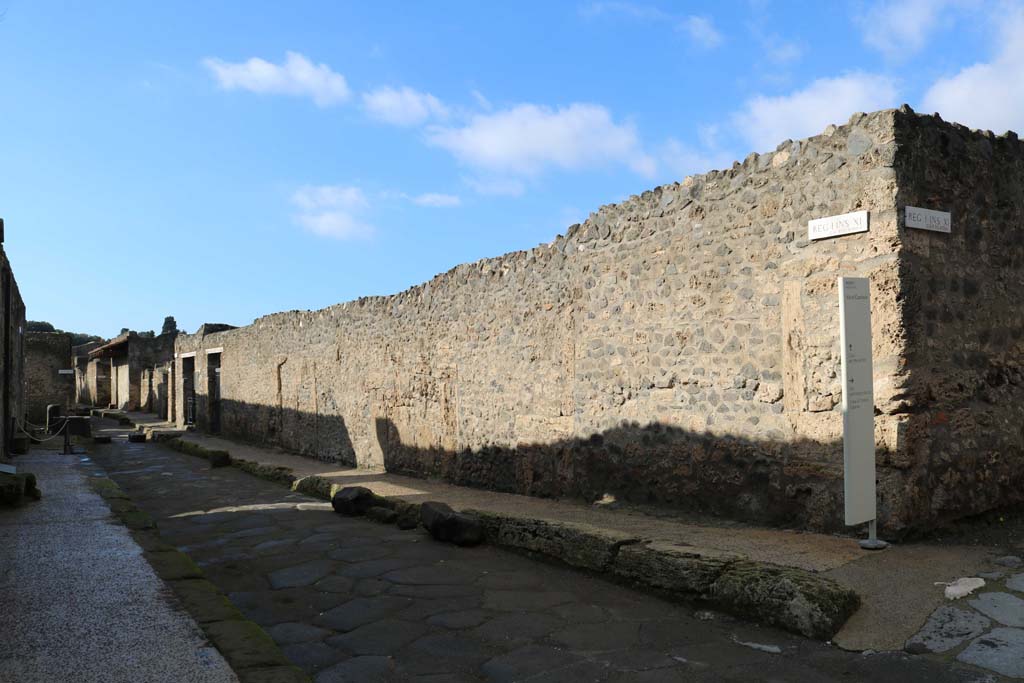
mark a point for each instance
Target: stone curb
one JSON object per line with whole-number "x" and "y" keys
{"x": 795, "y": 600}
{"x": 252, "y": 654}
{"x": 115, "y": 415}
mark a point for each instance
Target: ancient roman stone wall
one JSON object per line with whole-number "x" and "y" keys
{"x": 12, "y": 353}
{"x": 45, "y": 354}
{"x": 964, "y": 403}
{"x": 678, "y": 348}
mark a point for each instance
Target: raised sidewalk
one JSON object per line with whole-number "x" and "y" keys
{"x": 896, "y": 586}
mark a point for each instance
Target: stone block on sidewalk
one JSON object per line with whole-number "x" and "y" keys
{"x": 137, "y": 437}
{"x": 356, "y": 500}
{"x": 445, "y": 524}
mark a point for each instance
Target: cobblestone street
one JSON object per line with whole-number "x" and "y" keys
{"x": 352, "y": 600}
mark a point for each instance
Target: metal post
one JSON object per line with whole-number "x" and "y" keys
{"x": 872, "y": 542}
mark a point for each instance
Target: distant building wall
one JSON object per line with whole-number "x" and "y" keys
{"x": 46, "y": 353}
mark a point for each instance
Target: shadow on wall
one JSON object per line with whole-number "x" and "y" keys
{"x": 784, "y": 483}
{"x": 656, "y": 464}
{"x": 323, "y": 437}
{"x": 794, "y": 484}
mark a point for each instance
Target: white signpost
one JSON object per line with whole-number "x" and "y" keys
{"x": 858, "y": 407}
{"x": 928, "y": 219}
{"x": 832, "y": 226}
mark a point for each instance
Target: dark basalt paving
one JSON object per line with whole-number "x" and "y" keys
{"x": 348, "y": 599}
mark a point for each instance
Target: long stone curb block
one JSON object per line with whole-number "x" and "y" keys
{"x": 315, "y": 486}
{"x": 216, "y": 458}
{"x": 204, "y": 601}
{"x": 274, "y": 473}
{"x": 245, "y": 645}
{"x": 669, "y": 569}
{"x": 579, "y": 546}
{"x": 137, "y": 437}
{"x": 276, "y": 674}
{"x": 172, "y": 565}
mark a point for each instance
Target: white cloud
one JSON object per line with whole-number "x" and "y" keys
{"x": 437, "y": 200}
{"x": 332, "y": 211}
{"x": 987, "y": 95}
{"x": 900, "y": 29}
{"x": 296, "y": 76}
{"x": 315, "y": 197}
{"x": 701, "y": 31}
{"x": 767, "y": 121}
{"x": 403, "y": 106}
{"x": 481, "y": 100}
{"x": 528, "y": 138}
{"x": 335, "y": 224}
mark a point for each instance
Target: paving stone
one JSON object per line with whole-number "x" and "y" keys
{"x": 1005, "y": 608}
{"x": 313, "y": 656}
{"x": 383, "y": 637}
{"x": 370, "y": 587}
{"x": 296, "y": 632}
{"x": 636, "y": 659}
{"x": 580, "y": 672}
{"x": 1016, "y": 583}
{"x": 361, "y": 670}
{"x": 525, "y": 600}
{"x": 302, "y": 574}
{"x": 434, "y": 575}
{"x": 448, "y": 646}
{"x": 360, "y": 611}
{"x": 1001, "y": 650}
{"x": 597, "y": 637}
{"x": 459, "y": 620}
{"x": 581, "y": 614}
{"x": 421, "y": 609}
{"x": 526, "y": 662}
{"x": 1010, "y": 561}
{"x": 947, "y": 628}
{"x": 335, "y": 584}
{"x": 525, "y": 626}
{"x": 364, "y": 570}
{"x": 359, "y": 553}
{"x": 436, "y": 591}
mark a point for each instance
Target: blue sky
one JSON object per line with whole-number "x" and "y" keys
{"x": 221, "y": 161}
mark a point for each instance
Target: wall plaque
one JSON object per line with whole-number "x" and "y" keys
{"x": 927, "y": 219}
{"x": 833, "y": 226}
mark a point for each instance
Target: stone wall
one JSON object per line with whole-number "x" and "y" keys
{"x": 680, "y": 348}
{"x": 12, "y": 354}
{"x": 46, "y": 353}
{"x": 964, "y": 403}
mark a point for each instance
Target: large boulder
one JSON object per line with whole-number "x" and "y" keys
{"x": 356, "y": 500}
{"x": 445, "y": 524}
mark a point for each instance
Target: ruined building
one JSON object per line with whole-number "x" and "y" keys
{"x": 129, "y": 372}
{"x": 682, "y": 348}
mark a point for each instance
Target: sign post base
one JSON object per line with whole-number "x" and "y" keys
{"x": 872, "y": 542}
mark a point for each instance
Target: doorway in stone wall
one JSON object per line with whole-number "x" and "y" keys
{"x": 188, "y": 388}
{"x": 213, "y": 390}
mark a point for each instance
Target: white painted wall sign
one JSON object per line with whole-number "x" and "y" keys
{"x": 832, "y": 226}
{"x": 63, "y": 371}
{"x": 858, "y": 400}
{"x": 927, "y": 219}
